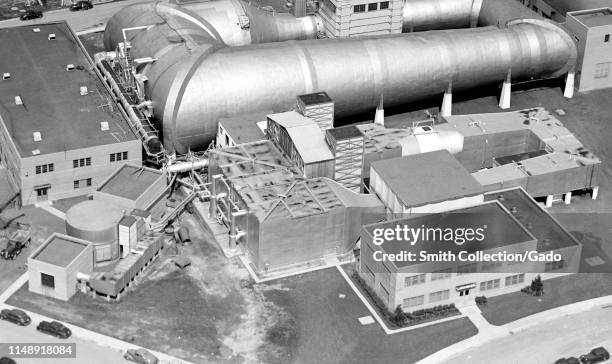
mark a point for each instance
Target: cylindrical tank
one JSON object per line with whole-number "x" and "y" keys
{"x": 198, "y": 79}
{"x": 97, "y": 223}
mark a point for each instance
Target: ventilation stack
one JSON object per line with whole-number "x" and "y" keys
{"x": 347, "y": 146}
{"x": 318, "y": 107}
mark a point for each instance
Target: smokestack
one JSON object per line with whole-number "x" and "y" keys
{"x": 379, "y": 117}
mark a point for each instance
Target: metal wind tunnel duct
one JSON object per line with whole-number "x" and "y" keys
{"x": 207, "y": 68}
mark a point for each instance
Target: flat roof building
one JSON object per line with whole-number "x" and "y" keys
{"x": 53, "y": 267}
{"x": 427, "y": 182}
{"x": 60, "y": 130}
{"x": 512, "y": 223}
{"x": 241, "y": 129}
{"x": 592, "y": 30}
{"x": 131, "y": 187}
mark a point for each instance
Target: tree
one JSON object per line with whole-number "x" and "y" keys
{"x": 537, "y": 286}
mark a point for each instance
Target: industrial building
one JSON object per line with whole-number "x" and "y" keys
{"x": 241, "y": 129}
{"x": 60, "y": 131}
{"x": 424, "y": 183}
{"x": 592, "y": 30}
{"x": 131, "y": 187}
{"x": 529, "y": 148}
{"x": 238, "y": 63}
{"x": 514, "y": 222}
{"x": 53, "y": 267}
{"x": 270, "y": 209}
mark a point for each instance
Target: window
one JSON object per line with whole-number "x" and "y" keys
{"x": 44, "y": 168}
{"x": 607, "y": 38}
{"x": 359, "y": 8}
{"x": 413, "y": 301}
{"x": 443, "y": 274}
{"x": 226, "y": 140}
{"x": 414, "y": 280}
{"x": 468, "y": 268}
{"x": 488, "y": 285}
{"x": 439, "y": 296}
{"x": 372, "y": 6}
{"x": 116, "y": 157}
{"x": 602, "y": 70}
{"x": 82, "y": 183}
{"x": 515, "y": 279}
{"x": 554, "y": 266}
{"x": 76, "y": 163}
{"x": 47, "y": 280}
{"x": 384, "y": 5}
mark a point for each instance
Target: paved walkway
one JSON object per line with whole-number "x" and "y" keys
{"x": 488, "y": 332}
{"x": 46, "y": 205}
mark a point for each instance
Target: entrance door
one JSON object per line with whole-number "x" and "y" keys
{"x": 42, "y": 193}
{"x": 464, "y": 292}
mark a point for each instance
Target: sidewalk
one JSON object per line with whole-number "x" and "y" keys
{"x": 488, "y": 332}
{"x": 80, "y": 332}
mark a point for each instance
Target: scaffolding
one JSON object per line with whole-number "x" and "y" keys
{"x": 347, "y": 146}
{"x": 318, "y": 107}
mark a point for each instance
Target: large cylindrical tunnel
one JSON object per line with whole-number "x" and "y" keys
{"x": 207, "y": 67}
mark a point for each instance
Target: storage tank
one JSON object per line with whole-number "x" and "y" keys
{"x": 97, "y": 223}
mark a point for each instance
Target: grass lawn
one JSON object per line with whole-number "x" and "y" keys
{"x": 560, "y": 291}
{"x": 325, "y": 326}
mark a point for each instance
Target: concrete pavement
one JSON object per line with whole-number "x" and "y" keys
{"x": 488, "y": 334}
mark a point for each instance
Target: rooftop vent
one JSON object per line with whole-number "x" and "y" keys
{"x": 36, "y": 30}
{"x": 51, "y": 36}
{"x": 70, "y": 67}
{"x": 36, "y": 152}
{"x": 18, "y": 100}
{"x": 83, "y": 90}
{"x": 37, "y": 137}
{"x": 104, "y": 126}
{"x": 6, "y": 76}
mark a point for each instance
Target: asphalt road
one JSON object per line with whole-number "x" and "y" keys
{"x": 567, "y": 336}
{"x": 87, "y": 352}
{"x": 79, "y": 21}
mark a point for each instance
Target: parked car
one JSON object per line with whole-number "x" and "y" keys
{"x": 596, "y": 355}
{"x": 15, "y": 316}
{"x": 17, "y": 241}
{"x": 570, "y": 360}
{"x": 81, "y": 5}
{"x": 5, "y": 360}
{"x": 31, "y": 14}
{"x": 140, "y": 356}
{"x": 54, "y": 328}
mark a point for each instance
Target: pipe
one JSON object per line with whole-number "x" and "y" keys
{"x": 202, "y": 79}
{"x": 187, "y": 166}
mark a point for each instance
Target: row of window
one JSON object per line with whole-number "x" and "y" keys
{"x": 445, "y": 294}
{"x": 44, "y": 168}
{"x": 81, "y": 162}
{"x": 361, "y": 8}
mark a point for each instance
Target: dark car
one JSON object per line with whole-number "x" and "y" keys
{"x": 596, "y": 355}
{"x": 31, "y": 14}
{"x": 54, "y": 328}
{"x": 15, "y": 316}
{"x": 140, "y": 356}
{"x": 5, "y": 360}
{"x": 570, "y": 360}
{"x": 81, "y": 5}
